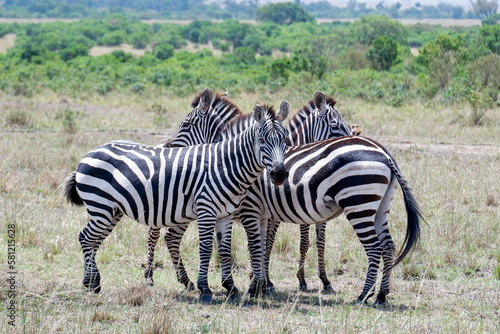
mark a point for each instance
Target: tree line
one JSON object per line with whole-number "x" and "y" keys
{"x": 246, "y": 9}
{"x": 369, "y": 58}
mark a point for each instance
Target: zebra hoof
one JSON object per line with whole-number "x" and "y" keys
{"x": 269, "y": 291}
{"x": 328, "y": 290}
{"x": 362, "y": 300}
{"x": 234, "y": 296}
{"x": 381, "y": 300}
{"x": 149, "y": 281}
{"x": 303, "y": 288}
{"x": 189, "y": 286}
{"x": 92, "y": 282}
{"x": 206, "y": 298}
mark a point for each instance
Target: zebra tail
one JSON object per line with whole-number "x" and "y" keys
{"x": 70, "y": 190}
{"x": 413, "y": 213}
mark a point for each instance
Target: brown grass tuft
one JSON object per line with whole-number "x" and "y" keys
{"x": 134, "y": 295}
{"x": 103, "y": 317}
{"x": 491, "y": 200}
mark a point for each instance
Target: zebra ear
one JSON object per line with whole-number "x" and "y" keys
{"x": 283, "y": 112}
{"x": 259, "y": 113}
{"x": 320, "y": 100}
{"x": 205, "y": 99}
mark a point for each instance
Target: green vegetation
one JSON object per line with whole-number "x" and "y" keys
{"x": 369, "y": 58}
{"x": 283, "y": 13}
{"x": 246, "y": 9}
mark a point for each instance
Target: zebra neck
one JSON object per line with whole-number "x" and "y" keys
{"x": 300, "y": 134}
{"x": 239, "y": 158}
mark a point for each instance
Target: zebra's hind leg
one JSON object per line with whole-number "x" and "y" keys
{"x": 173, "y": 238}
{"x": 304, "y": 246}
{"x": 320, "y": 244}
{"x": 153, "y": 236}
{"x": 206, "y": 226}
{"x": 388, "y": 257}
{"x": 368, "y": 237}
{"x": 91, "y": 238}
{"x": 223, "y": 229}
{"x": 384, "y": 235}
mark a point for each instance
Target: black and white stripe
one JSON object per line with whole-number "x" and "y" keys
{"x": 162, "y": 187}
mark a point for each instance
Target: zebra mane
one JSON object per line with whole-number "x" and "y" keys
{"x": 226, "y": 108}
{"x": 308, "y": 108}
{"x": 241, "y": 122}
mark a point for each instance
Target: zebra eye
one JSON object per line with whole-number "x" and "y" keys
{"x": 262, "y": 140}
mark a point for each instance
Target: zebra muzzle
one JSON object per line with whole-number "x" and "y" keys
{"x": 279, "y": 173}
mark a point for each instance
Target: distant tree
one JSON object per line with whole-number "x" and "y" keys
{"x": 73, "y": 51}
{"x": 164, "y": 51}
{"x": 369, "y": 28}
{"x": 383, "y": 52}
{"x": 484, "y": 8}
{"x": 491, "y": 20}
{"x": 245, "y": 54}
{"x": 140, "y": 39}
{"x": 283, "y": 13}
{"x": 313, "y": 57}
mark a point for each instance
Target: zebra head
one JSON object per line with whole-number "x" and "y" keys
{"x": 328, "y": 123}
{"x": 270, "y": 140}
{"x": 204, "y": 123}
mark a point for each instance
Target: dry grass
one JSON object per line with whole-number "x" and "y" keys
{"x": 450, "y": 284}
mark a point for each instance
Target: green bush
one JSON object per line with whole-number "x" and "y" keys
{"x": 383, "y": 53}
{"x": 73, "y": 51}
{"x": 113, "y": 38}
{"x": 163, "y": 51}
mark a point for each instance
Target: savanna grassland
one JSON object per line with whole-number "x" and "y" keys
{"x": 429, "y": 93}
{"x": 450, "y": 284}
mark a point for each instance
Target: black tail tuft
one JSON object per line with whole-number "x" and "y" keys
{"x": 414, "y": 215}
{"x": 70, "y": 191}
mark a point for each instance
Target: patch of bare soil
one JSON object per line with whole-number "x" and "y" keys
{"x": 460, "y": 149}
{"x": 6, "y": 42}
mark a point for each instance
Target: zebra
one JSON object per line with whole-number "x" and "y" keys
{"x": 204, "y": 124}
{"x": 314, "y": 121}
{"x": 354, "y": 175}
{"x": 371, "y": 173}
{"x": 170, "y": 186}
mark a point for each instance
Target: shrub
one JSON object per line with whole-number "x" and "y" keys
{"x": 382, "y": 53}
{"x": 73, "y": 51}
{"x": 164, "y": 51}
{"x": 113, "y": 38}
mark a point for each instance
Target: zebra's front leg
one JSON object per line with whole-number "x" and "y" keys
{"x": 272, "y": 228}
{"x": 304, "y": 246}
{"x": 223, "y": 229}
{"x": 91, "y": 238}
{"x": 173, "y": 238}
{"x": 153, "y": 236}
{"x": 252, "y": 227}
{"x": 320, "y": 244}
{"x": 206, "y": 227}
